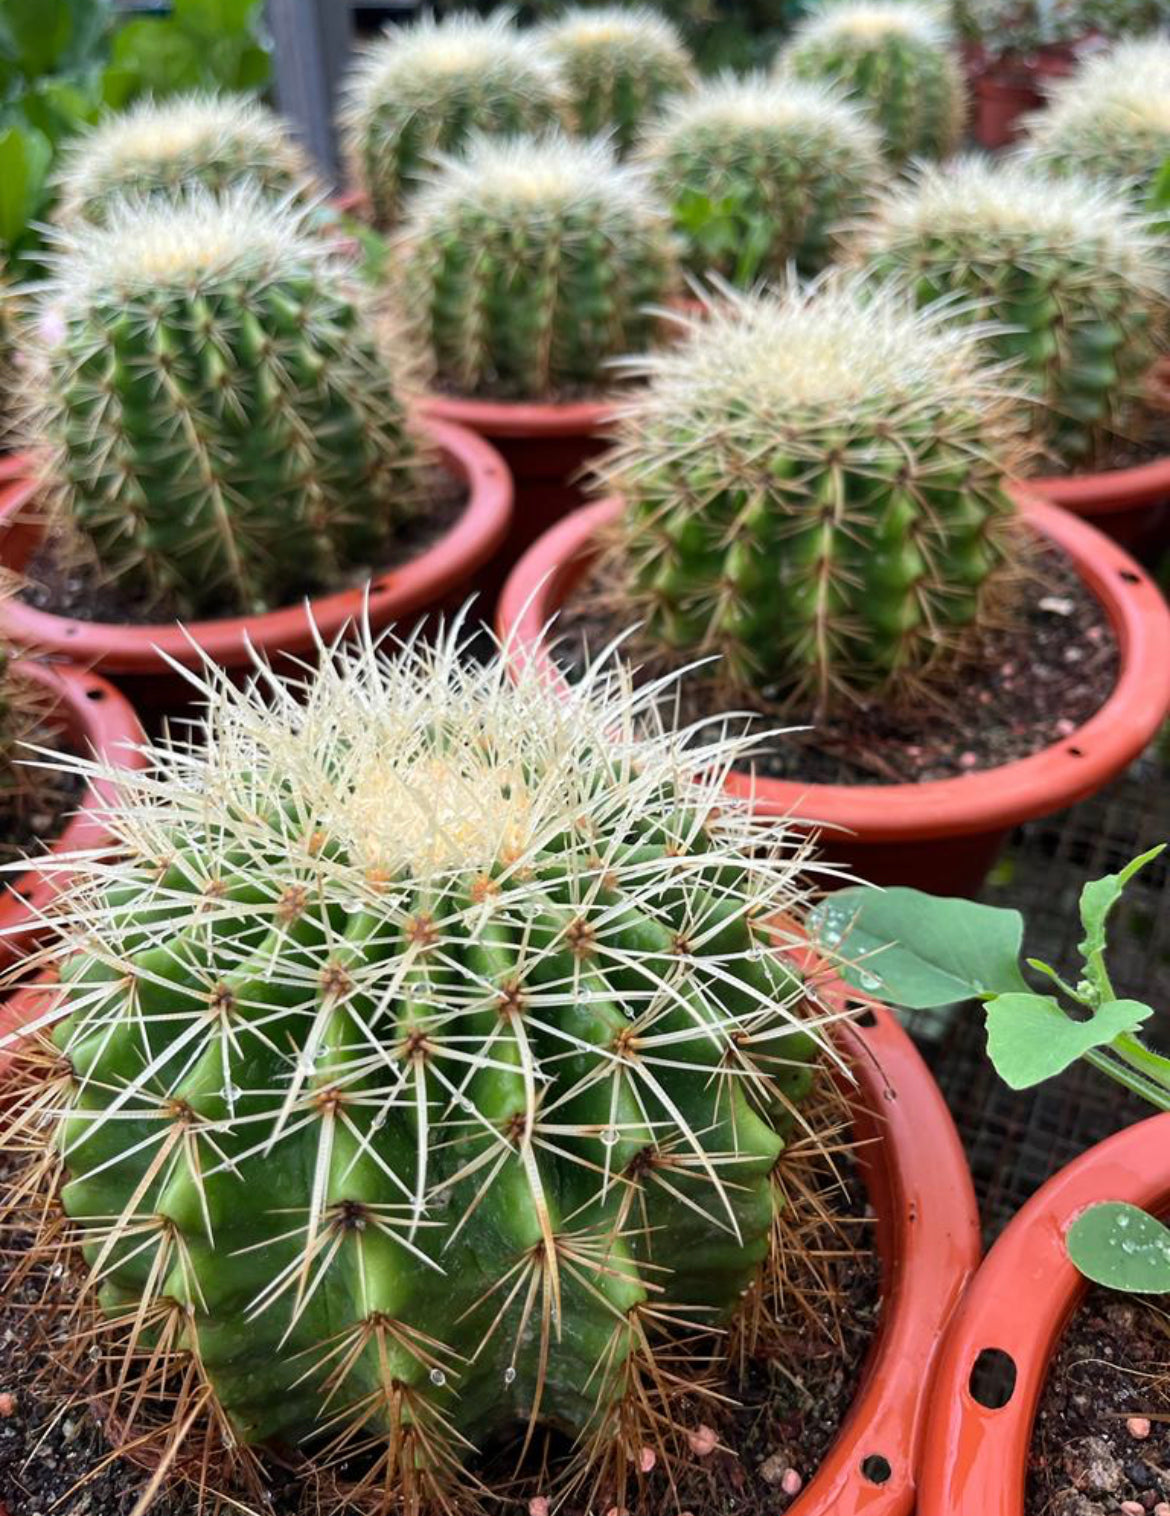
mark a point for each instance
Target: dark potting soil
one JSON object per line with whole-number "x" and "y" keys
{"x": 787, "y": 1410}
{"x": 1025, "y": 685}
{"x": 59, "y": 582}
{"x": 35, "y": 803}
{"x": 1101, "y": 1440}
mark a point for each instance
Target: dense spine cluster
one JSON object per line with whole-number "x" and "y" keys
{"x": 529, "y": 264}
{"x": 1071, "y": 282}
{"x": 619, "y": 65}
{"x": 760, "y": 173}
{"x": 896, "y": 57}
{"x": 813, "y": 481}
{"x": 425, "y": 1046}
{"x": 223, "y": 421}
{"x": 426, "y": 88}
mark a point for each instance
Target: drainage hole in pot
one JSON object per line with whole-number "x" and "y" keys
{"x": 95, "y": 694}
{"x": 876, "y": 1469}
{"x": 1129, "y": 576}
{"x": 1076, "y": 752}
{"x": 866, "y": 1018}
{"x": 993, "y": 1379}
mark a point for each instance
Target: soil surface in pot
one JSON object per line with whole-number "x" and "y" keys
{"x": 35, "y": 803}
{"x": 1027, "y": 684}
{"x": 61, "y": 583}
{"x": 1101, "y": 1440}
{"x": 799, "y": 1384}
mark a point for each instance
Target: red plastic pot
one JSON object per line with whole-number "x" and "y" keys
{"x": 94, "y": 720}
{"x": 1006, "y": 90}
{"x": 439, "y": 577}
{"x": 975, "y": 1455}
{"x": 1131, "y": 505}
{"x": 927, "y": 1236}
{"x": 941, "y": 835}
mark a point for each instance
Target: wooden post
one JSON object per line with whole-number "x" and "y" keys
{"x": 311, "y": 41}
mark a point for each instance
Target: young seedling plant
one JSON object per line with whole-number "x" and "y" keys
{"x": 923, "y": 952}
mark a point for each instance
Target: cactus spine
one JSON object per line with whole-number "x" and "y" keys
{"x": 225, "y": 427}
{"x": 896, "y": 57}
{"x": 529, "y": 264}
{"x": 466, "y": 1056}
{"x": 1074, "y": 282}
{"x": 760, "y": 172}
{"x": 813, "y": 490}
{"x": 218, "y": 141}
{"x": 619, "y": 65}
{"x": 426, "y": 88}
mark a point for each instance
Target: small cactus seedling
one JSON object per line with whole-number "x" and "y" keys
{"x": 218, "y": 141}
{"x": 1073, "y": 282}
{"x": 530, "y": 263}
{"x": 895, "y": 56}
{"x": 1110, "y": 119}
{"x": 424, "y": 1047}
{"x": 813, "y": 485}
{"x": 424, "y": 89}
{"x": 760, "y": 172}
{"x": 223, "y": 425}
{"x": 619, "y": 67}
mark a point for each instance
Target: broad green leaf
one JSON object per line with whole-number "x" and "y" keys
{"x": 25, "y": 156}
{"x": 1097, "y": 900}
{"x": 1030, "y": 1038}
{"x": 1121, "y": 1246}
{"x": 917, "y": 950}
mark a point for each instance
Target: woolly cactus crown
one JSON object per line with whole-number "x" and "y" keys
{"x": 813, "y": 489}
{"x": 224, "y": 422}
{"x": 1111, "y": 118}
{"x": 425, "y": 88}
{"x": 219, "y": 141}
{"x": 1075, "y": 278}
{"x": 777, "y": 162}
{"x": 424, "y": 1043}
{"x": 619, "y": 65}
{"x": 529, "y": 264}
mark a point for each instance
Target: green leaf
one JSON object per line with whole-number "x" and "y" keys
{"x": 1030, "y": 1038}
{"x": 926, "y": 951}
{"x": 1097, "y": 900}
{"x": 1121, "y": 1246}
{"x": 25, "y": 156}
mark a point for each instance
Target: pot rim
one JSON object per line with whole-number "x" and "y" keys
{"x": 927, "y": 1233}
{"x": 97, "y": 720}
{"x": 988, "y": 800}
{"x": 1110, "y": 491}
{"x": 293, "y": 630}
{"x": 975, "y": 1458}
{"x": 522, "y": 418}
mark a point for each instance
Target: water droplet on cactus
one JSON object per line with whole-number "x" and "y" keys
{"x": 869, "y": 981}
{"x": 509, "y": 1375}
{"x": 610, "y": 1137}
{"x": 437, "y": 1377}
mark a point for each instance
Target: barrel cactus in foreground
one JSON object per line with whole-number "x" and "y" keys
{"x": 619, "y": 65}
{"x": 219, "y": 141}
{"x": 897, "y": 58}
{"x": 222, "y": 415}
{"x": 813, "y": 480}
{"x": 1073, "y": 277}
{"x": 529, "y": 264}
{"x": 425, "y": 88}
{"x": 760, "y": 173}
{"x": 424, "y": 1049}
{"x": 1110, "y": 119}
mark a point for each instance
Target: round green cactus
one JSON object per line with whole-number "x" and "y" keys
{"x": 1126, "y": 18}
{"x": 760, "y": 173}
{"x": 224, "y": 422}
{"x": 424, "y": 89}
{"x": 425, "y": 1043}
{"x": 9, "y": 308}
{"x": 529, "y": 264}
{"x": 620, "y": 65}
{"x": 218, "y": 141}
{"x": 813, "y": 481}
{"x": 1110, "y": 119}
{"x": 1074, "y": 285}
{"x": 896, "y": 57}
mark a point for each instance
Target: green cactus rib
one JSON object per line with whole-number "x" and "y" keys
{"x": 530, "y": 264}
{"x": 225, "y": 423}
{"x": 411, "y": 1110}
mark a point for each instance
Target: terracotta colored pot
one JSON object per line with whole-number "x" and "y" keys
{"x": 927, "y": 1235}
{"x": 1006, "y": 90}
{"x": 439, "y": 577}
{"x": 975, "y": 1456}
{"x": 941, "y": 835}
{"x": 1131, "y": 505}
{"x": 95, "y": 719}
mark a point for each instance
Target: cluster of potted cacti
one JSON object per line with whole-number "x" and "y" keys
{"x": 418, "y": 1056}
